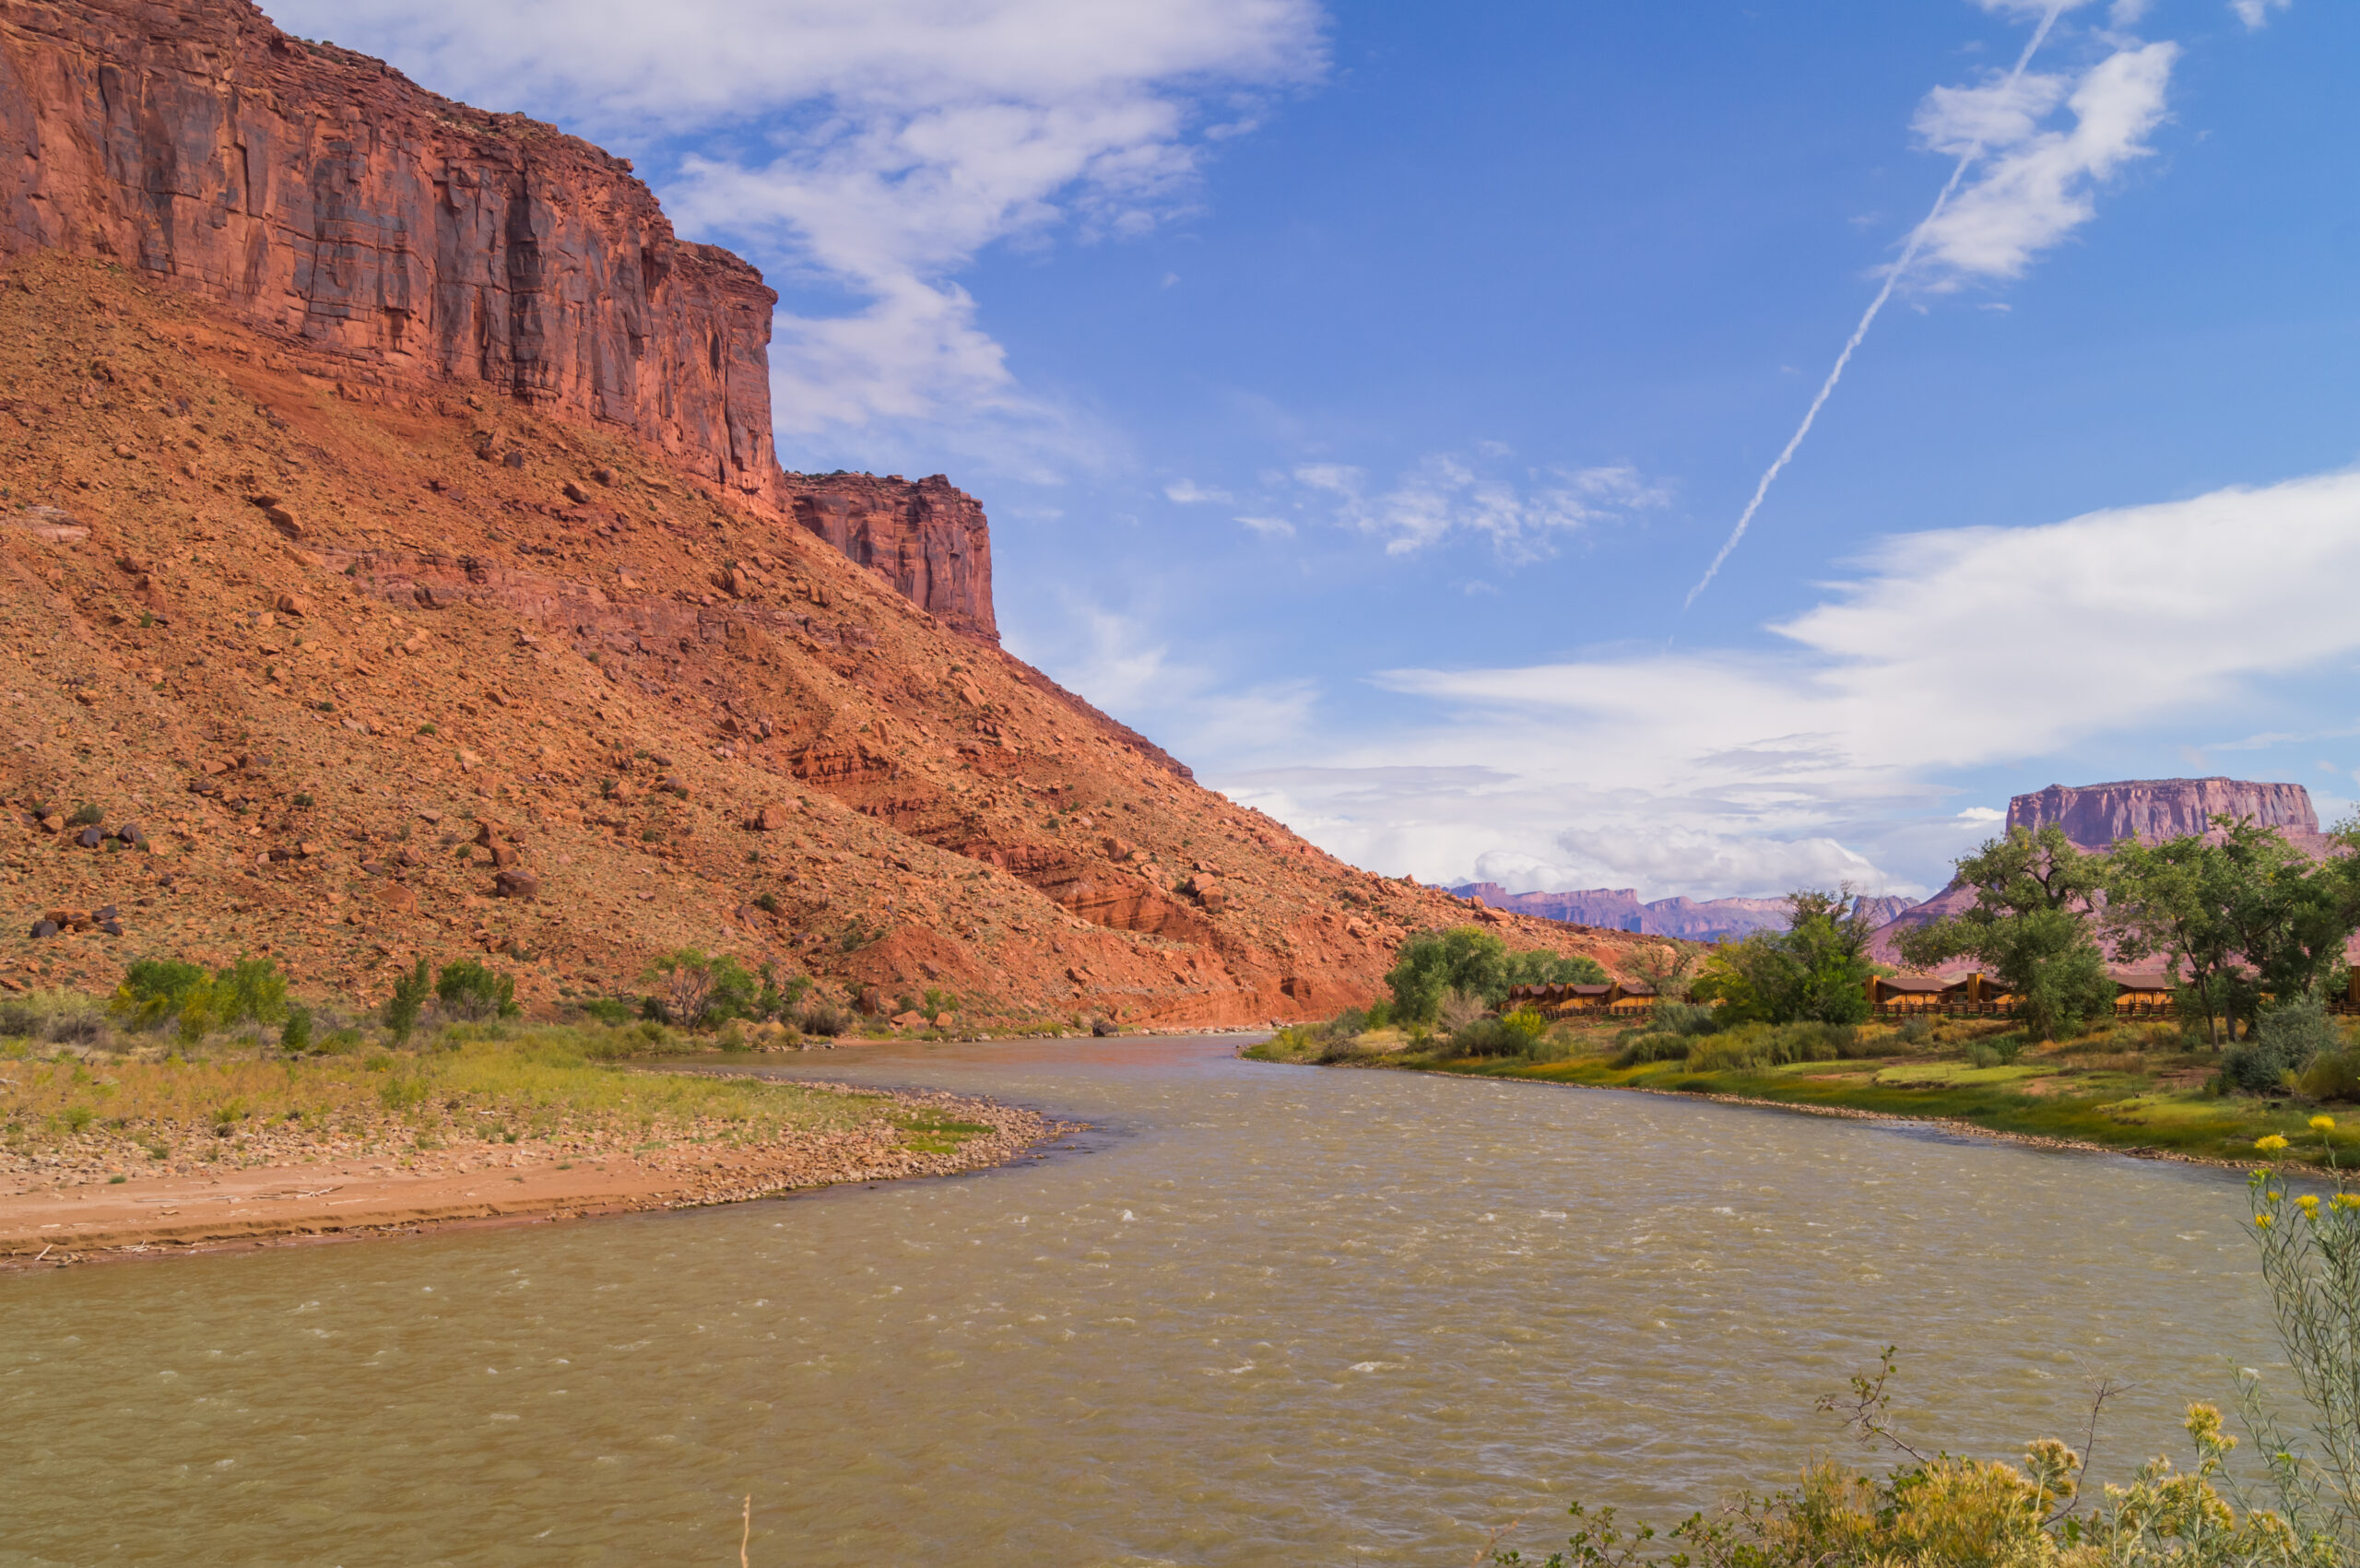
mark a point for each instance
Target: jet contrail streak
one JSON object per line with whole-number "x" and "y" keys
{"x": 1908, "y": 254}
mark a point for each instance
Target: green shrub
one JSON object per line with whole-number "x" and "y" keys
{"x": 1653, "y": 1047}
{"x": 2285, "y": 1040}
{"x": 408, "y": 1001}
{"x": 1683, "y": 1018}
{"x": 296, "y": 1034}
{"x": 609, "y": 1011}
{"x": 154, "y": 991}
{"x": 2333, "y": 1075}
{"x": 85, "y": 816}
{"x": 1916, "y": 1031}
{"x": 249, "y": 991}
{"x": 468, "y": 990}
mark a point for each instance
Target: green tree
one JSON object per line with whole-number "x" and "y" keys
{"x": 2031, "y": 923}
{"x": 1815, "y": 971}
{"x": 409, "y": 1000}
{"x": 2175, "y": 901}
{"x": 1432, "y": 964}
{"x": 2289, "y": 915}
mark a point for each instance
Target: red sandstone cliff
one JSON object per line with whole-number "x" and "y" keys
{"x": 2150, "y": 811}
{"x": 344, "y": 213}
{"x": 329, "y": 202}
{"x": 928, "y": 541}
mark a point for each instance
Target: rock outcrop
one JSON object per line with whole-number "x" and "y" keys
{"x": 927, "y": 540}
{"x": 2150, "y": 811}
{"x": 328, "y": 202}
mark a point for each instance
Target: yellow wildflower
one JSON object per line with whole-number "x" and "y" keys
{"x": 2262, "y": 1221}
{"x": 2344, "y": 1200}
{"x": 2322, "y": 1123}
{"x": 2310, "y": 1204}
{"x": 2270, "y": 1145}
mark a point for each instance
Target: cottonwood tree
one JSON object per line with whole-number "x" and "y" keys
{"x": 2175, "y": 900}
{"x": 2035, "y": 897}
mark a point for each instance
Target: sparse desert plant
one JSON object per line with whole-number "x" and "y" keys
{"x": 468, "y": 990}
{"x": 295, "y": 1034}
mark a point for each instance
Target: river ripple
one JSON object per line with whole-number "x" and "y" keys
{"x": 1263, "y": 1314}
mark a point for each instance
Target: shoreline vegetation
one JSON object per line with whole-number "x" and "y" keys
{"x": 2135, "y": 1088}
{"x": 196, "y": 1110}
{"x": 2253, "y": 932}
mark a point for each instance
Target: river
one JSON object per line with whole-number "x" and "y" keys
{"x": 1258, "y": 1314}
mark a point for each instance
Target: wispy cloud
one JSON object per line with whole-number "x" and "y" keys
{"x": 869, "y": 151}
{"x": 1521, "y": 516}
{"x": 1187, "y": 492}
{"x": 2255, "y": 14}
{"x": 2037, "y": 182}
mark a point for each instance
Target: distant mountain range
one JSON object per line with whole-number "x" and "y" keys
{"x": 1619, "y": 908}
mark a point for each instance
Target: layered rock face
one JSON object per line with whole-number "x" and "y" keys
{"x": 2150, "y": 811}
{"x": 327, "y": 202}
{"x": 928, "y": 541}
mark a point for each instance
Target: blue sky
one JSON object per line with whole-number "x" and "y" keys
{"x": 1358, "y": 391}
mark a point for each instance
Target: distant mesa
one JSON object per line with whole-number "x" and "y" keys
{"x": 2097, "y": 816}
{"x": 2150, "y": 811}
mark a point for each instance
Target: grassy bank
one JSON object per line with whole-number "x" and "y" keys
{"x": 2130, "y": 1086}
{"x": 137, "y": 1106}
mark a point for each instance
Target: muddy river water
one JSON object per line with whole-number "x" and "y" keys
{"x": 1260, "y": 1315}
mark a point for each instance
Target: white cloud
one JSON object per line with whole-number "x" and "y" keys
{"x": 1950, "y": 650}
{"x": 2256, "y": 13}
{"x": 1983, "y": 814}
{"x": 2033, "y": 186}
{"x": 871, "y": 149}
{"x": 1521, "y": 516}
{"x": 1122, "y": 668}
{"x": 1270, "y": 527}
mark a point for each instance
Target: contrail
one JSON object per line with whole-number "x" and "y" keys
{"x": 1908, "y": 254}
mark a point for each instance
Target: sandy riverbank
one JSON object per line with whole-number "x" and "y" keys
{"x": 76, "y": 1215}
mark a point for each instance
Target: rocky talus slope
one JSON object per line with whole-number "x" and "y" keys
{"x": 337, "y": 665}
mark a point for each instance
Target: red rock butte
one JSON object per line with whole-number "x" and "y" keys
{"x": 2150, "y": 811}
{"x": 324, "y": 201}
